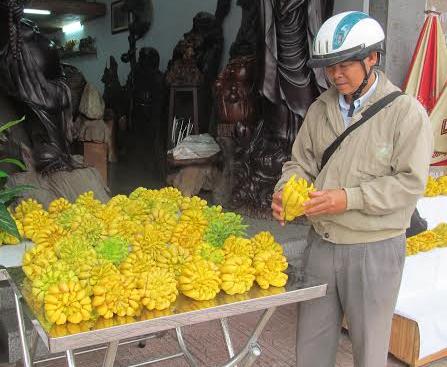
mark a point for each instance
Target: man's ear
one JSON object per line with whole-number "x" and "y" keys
{"x": 372, "y": 59}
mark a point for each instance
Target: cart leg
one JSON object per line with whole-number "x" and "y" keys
{"x": 70, "y": 358}
{"x": 188, "y": 356}
{"x": 253, "y": 354}
{"x": 22, "y": 331}
{"x": 109, "y": 359}
{"x": 34, "y": 341}
{"x": 226, "y": 332}
{"x": 251, "y": 351}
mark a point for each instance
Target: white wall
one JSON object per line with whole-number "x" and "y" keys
{"x": 171, "y": 19}
{"x": 346, "y": 5}
{"x": 405, "y": 20}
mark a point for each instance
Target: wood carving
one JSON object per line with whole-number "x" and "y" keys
{"x": 196, "y": 58}
{"x": 184, "y": 70}
{"x": 115, "y": 96}
{"x": 31, "y": 76}
{"x": 236, "y": 95}
{"x": 288, "y": 87}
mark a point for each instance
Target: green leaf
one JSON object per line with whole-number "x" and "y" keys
{"x": 10, "y": 124}
{"x": 13, "y": 161}
{"x": 3, "y": 174}
{"x": 7, "y": 223}
{"x": 11, "y": 193}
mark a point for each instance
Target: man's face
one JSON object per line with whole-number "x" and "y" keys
{"x": 348, "y": 75}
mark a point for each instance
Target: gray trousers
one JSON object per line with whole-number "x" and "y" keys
{"x": 363, "y": 283}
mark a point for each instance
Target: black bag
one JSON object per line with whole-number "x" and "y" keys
{"x": 418, "y": 224}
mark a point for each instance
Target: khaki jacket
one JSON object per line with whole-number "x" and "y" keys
{"x": 382, "y": 165}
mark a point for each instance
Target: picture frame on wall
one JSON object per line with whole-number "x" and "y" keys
{"x": 119, "y": 17}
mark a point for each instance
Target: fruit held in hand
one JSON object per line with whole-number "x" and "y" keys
{"x": 294, "y": 195}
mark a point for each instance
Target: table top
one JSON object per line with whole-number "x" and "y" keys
{"x": 183, "y": 312}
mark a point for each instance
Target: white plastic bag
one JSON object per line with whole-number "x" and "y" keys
{"x": 196, "y": 146}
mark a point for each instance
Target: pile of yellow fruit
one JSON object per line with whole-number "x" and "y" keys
{"x": 294, "y": 195}
{"x": 134, "y": 255}
{"x": 428, "y": 240}
{"x": 436, "y": 186}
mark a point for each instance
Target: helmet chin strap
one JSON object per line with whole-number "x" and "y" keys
{"x": 359, "y": 90}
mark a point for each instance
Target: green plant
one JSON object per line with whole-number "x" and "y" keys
{"x": 7, "y": 195}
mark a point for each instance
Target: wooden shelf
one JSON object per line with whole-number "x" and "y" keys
{"x": 70, "y": 54}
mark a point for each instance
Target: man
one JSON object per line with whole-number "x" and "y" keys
{"x": 367, "y": 193}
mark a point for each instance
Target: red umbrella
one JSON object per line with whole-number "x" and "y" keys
{"x": 427, "y": 77}
{"x": 438, "y": 118}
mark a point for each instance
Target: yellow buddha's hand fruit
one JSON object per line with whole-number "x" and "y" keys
{"x": 294, "y": 195}
{"x": 51, "y": 274}
{"x": 237, "y": 274}
{"x": 200, "y": 280}
{"x": 239, "y": 246}
{"x": 67, "y": 301}
{"x": 432, "y": 188}
{"x": 269, "y": 267}
{"x": 106, "y": 291}
{"x": 158, "y": 288}
{"x": 36, "y": 260}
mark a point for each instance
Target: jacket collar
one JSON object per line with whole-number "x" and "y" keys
{"x": 330, "y": 99}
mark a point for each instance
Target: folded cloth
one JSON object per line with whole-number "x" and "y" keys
{"x": 423, "y": 298}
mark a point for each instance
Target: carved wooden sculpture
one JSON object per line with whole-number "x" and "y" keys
{"x": 32, "y": 84}
{"x": 139, "y": 13}
{"x": 148, "y": 97}
{"x": 76, "y": 82}
{"x": 196, "y": 58}
{"x": 148, "y": 85}
{"x": 115, "y": 96}
{"x": 184, "y": 70}
{"x": 246, "y": 39}
{"x": 236, "y": 95}
{"x": 31, "y": 75}
{"x": 288, "y": 87}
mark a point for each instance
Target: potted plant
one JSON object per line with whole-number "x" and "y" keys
{"x": 8, "y": 194}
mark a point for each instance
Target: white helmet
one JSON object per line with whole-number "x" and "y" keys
{"x": 351, "y": 35}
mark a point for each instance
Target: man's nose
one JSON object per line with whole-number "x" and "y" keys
{"x": 336, "y": 72}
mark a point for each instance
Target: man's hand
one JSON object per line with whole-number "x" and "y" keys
{"x": 277, "y": 209}
{"x": 326, "y": 202}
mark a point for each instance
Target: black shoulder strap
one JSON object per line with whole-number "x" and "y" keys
{"x": 370, "y": 112}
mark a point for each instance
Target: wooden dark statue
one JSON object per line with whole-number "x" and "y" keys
{"x": 32, "y": 83}
{"x": 287, "y": 87}
{"x": 76, "y": 82}
{"x": 115, "y": 96}
{"x": 246, "y": 39}
{"x": 206, "y": 40}
{"x": 148, "y": 86}
{"x": 196, "y": 58}
{"x": 235, "y": 92}
{"x": 235, "y": 88}
{"x": 139, "y": 14}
